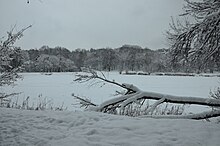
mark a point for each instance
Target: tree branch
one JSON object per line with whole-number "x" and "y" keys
{"x": 153, "y": 107}
{"x": 84, "y": 102}
{"x": 134, "y": 94}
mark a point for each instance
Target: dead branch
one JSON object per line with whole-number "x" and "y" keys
{"x": 134, "y": 94}
{"x": 13, "y": 37}
{"x": 84, "y": 102}
{"x": 153, "y": 107}
{"x": 91, "y": 75}
{"x": 2, "y": 95}
{"x": 129, "y": 98}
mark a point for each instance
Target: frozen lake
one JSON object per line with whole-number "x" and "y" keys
{"x": 59, "y": 87}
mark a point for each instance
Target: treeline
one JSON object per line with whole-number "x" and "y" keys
{"x": 127, "y": 57}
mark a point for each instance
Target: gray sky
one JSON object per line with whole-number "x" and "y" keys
{"x": 90, "y": 23}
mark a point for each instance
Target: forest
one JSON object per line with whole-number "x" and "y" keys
{"x": 124, "y": 58}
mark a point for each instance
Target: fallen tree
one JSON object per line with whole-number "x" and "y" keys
{"x": 134, "y": 95}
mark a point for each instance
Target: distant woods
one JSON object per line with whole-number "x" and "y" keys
{"x": 127, "y": 57}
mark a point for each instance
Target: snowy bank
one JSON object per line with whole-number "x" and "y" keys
{"x": 21, "y": 127}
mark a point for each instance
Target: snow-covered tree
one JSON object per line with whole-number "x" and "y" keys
{"x": 52, "y": 63}
{"x": 9, "y": 59}
{"x": 196, "y": 42}
{"x": 9, "y": 55}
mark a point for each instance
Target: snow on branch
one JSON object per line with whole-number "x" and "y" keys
{"x": 8, "y": 55}
{"x": 196, "y": 43}
{"x": 8, "y": 72}
{"x": 8, "y": 78}
{"x": 127, "y": 99}
{"x": 84, "y": 102}
{"x": 92, "y": 74}
{"x": 153, "y": 107}
{"x": 135, "y": 95}
{"x": 12, "y": 38}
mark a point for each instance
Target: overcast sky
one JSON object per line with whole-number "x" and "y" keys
{"x": 90, "y": 23}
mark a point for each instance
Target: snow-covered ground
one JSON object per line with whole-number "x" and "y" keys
{"x": 59, "y": 87}
{"x": 68, "y": 128}
{"x": 74, "y": 128}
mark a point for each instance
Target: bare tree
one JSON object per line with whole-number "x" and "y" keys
{"x": 109, "y": 59}
{"x": 134, "y": 95}
{"x": 197, "y": 43}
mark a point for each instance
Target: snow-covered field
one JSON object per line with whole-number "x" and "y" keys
{"x": 54, "y": 128}
{"x": 59, "y": 87}
{"x": 22, "y": 127}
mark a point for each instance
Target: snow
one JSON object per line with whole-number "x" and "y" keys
{"x": 59, "y": 87}
{"x": 67, "y": 128}
{"x": 72, "y": 127}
